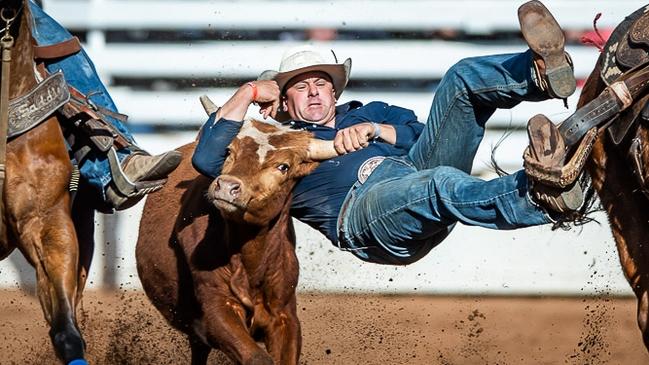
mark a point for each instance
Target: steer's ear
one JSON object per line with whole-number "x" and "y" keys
{"x": 305, "y": 168}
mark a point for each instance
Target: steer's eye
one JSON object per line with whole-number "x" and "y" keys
{"x": 283, "y": 167}
{"x": 227, "y": 152}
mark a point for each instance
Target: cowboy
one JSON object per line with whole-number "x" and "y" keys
{"x": 398, "y": 187}
{"x": 121, "y": 174}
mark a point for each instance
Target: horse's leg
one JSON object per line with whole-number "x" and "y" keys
{"x": 83, "y": 216}
{"x": 628, "y": 213}
{"x": 52, "y": 248}
{"x": 634, "y": 262}
{"x": 634, "y": 265}
{"x": 38, "y": 208}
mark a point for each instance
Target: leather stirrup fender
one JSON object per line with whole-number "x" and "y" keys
{"x": 27, "y": 111}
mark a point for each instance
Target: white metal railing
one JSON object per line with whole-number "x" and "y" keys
{"x": 376, "y": 59}
{"x": 181, "y": 108}
{"x": 473, "y": 16}
{"x": 247, "y": 59}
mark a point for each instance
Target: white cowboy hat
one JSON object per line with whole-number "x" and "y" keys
{"x": 301, "y": 59}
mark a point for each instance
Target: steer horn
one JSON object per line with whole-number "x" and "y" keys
{"x": 208, "y": 105}
{"x": 320, "y": 150}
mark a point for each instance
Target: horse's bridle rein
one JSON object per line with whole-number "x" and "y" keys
{"x": 6, "y": 45}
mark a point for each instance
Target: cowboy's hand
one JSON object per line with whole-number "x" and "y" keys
{"x": 267, "y": 97}
{"x": 353, "y": 138}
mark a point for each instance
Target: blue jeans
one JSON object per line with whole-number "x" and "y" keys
{"x": 79, "y": 72}
{"x": 409, "y": 204}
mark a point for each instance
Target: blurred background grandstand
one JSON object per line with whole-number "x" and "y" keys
{"x": 157, "y": 57}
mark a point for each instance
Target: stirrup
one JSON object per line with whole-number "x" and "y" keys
{"x": 124, "y": 193}
{"x": 562, "y": 173}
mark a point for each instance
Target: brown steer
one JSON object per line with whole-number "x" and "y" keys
{"x": 217, "y": 257}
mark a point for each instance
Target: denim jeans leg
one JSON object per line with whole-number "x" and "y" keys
{"x": 398, "y": 218}
{"x": 95, "y": 169}
{"x": 467, "y": 96}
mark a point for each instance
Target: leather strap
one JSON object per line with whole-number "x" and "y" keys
{"x": 57, "y": 50}
{"x": 80, "y": 104}
{"x": 6, "y": 44}
{"x": 597, "y": 111}
{"x": 606, "y": 105}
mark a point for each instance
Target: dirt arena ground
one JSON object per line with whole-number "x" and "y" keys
{"x": 123, "y": 328}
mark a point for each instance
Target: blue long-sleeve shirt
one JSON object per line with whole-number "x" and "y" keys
{"x": 318, "y": 197}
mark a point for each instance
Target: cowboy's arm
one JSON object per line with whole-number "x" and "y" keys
{"x": 359, "y": 136}
{"x": 214, "y": 139}
{"x": 392, "y": 124}
{"x": 403, "y": 121}
{"x": 266, "y": 93}
{"x": 223, "y": 125}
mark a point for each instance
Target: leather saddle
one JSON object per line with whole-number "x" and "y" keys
{"x": 627, "y": 48}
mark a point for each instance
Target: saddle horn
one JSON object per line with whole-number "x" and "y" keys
{"x": 208, "y": 105}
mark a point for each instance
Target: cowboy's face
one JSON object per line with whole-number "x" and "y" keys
{"x": 311, "y": 97}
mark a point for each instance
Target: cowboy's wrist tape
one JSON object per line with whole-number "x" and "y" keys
{"x": 377, "y": 131}
{"x": 254, "y": 90}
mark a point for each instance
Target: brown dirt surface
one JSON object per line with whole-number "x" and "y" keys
{"x": 123, "y": 328}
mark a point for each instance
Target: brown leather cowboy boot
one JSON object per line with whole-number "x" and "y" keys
{"x": 142, "y": 167}
{"x": 552, "y": 65}
{"x": 548, "y": 148}
{"x": 149, "y": 171}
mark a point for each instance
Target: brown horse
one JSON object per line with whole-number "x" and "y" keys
{"x": 37, "y": 205}
{"x": 618, "y": 169}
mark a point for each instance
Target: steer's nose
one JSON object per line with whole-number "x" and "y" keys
{"x": 227, "y": 187}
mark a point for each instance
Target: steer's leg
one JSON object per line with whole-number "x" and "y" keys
{"x": 283, "y": 334}
{"x": 200, "y": 351}
{"x": 643, "y": 314}
{"x": 223, "y": 326}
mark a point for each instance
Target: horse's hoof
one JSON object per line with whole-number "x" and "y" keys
{"x": 78, "y": 362}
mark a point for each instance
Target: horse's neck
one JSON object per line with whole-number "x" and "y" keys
{"x": 22, "y": 57}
